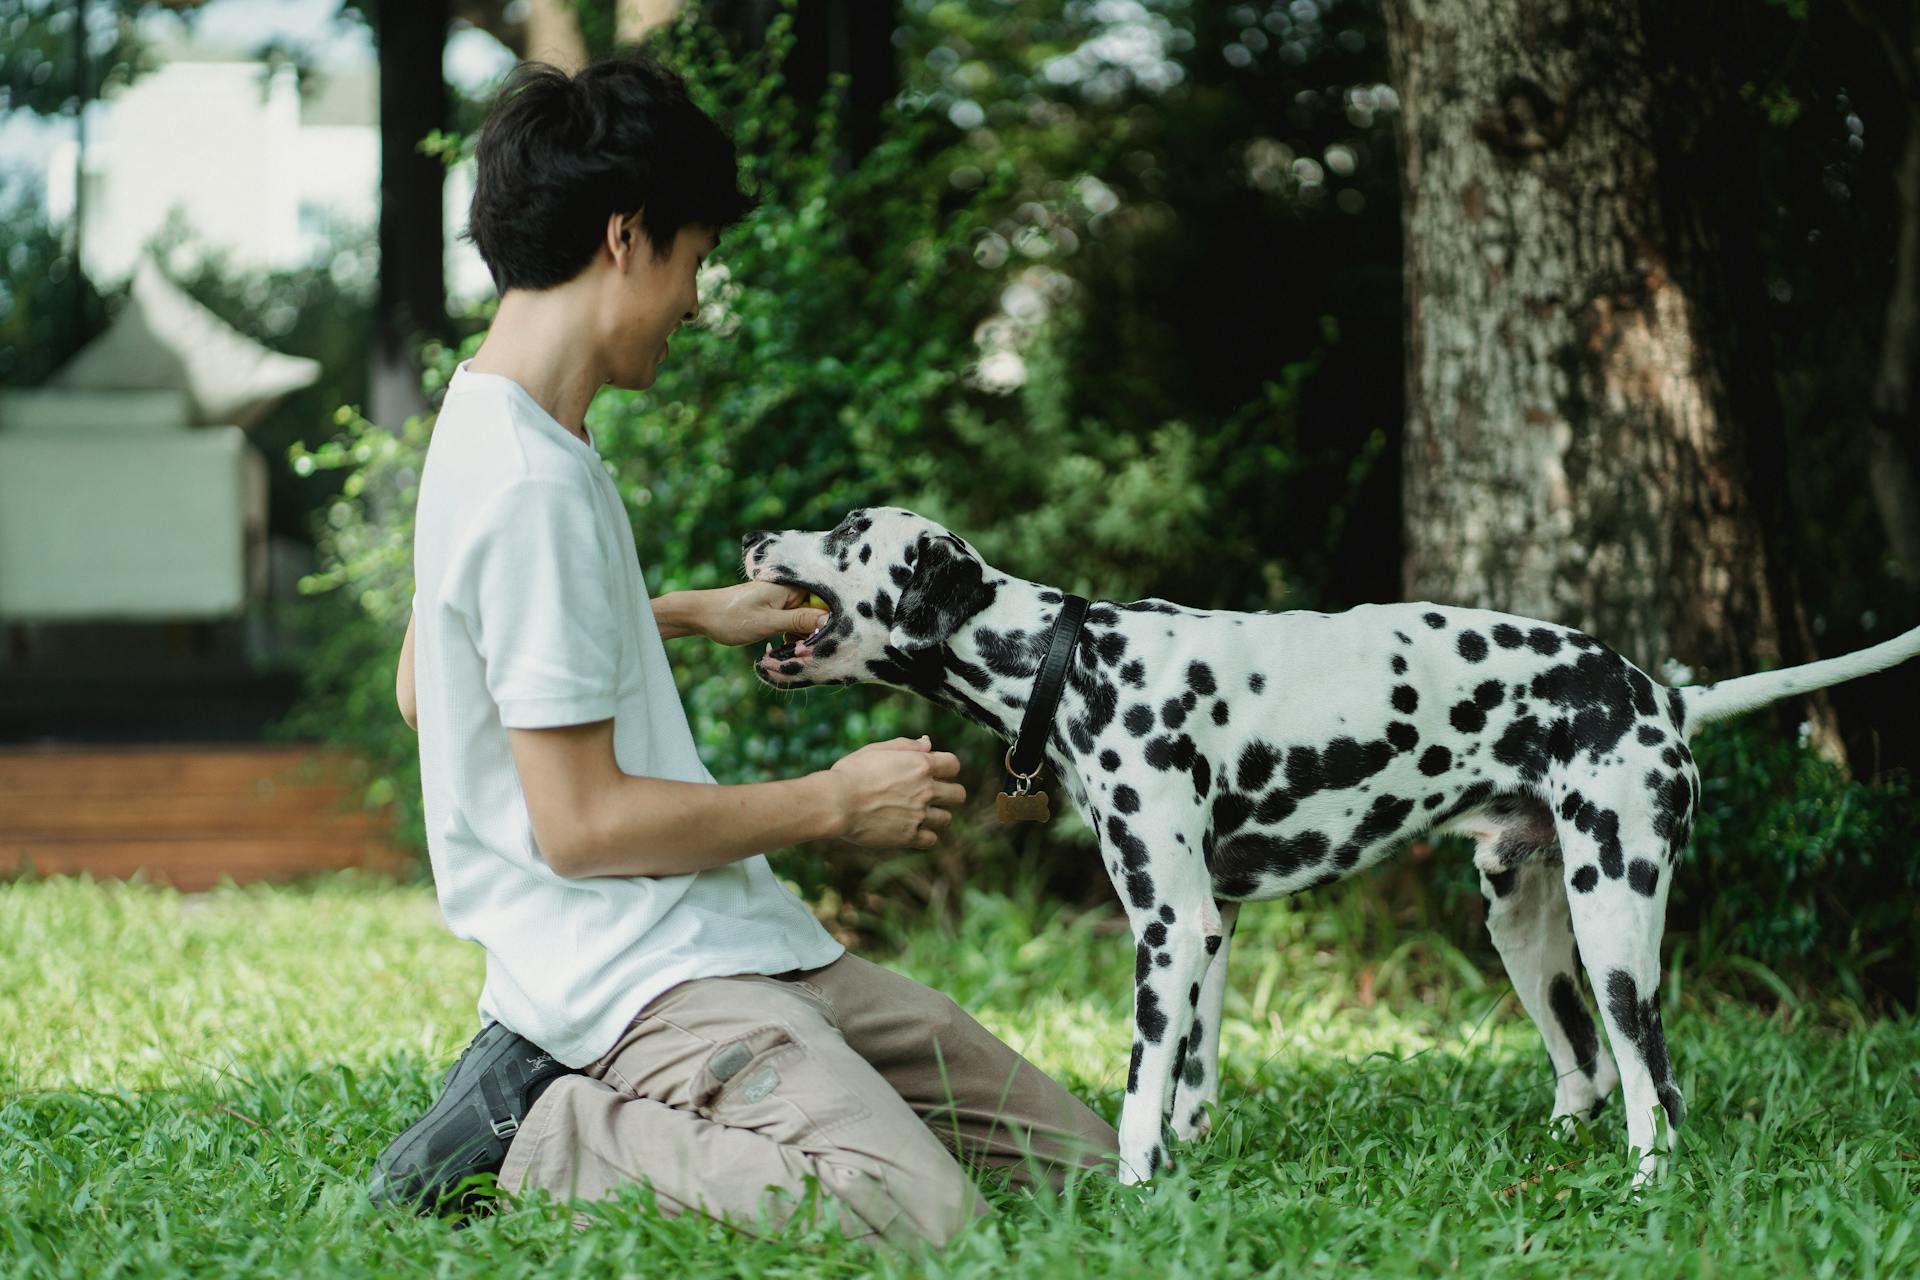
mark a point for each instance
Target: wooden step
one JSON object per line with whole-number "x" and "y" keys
{"x": 186, "y": 814}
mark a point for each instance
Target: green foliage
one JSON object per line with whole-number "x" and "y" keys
{"x": 1798, "y": 866}
{"x": 48, "y": 310}
{"x": 247, "y": 1053}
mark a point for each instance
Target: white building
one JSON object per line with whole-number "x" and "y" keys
{"x": 256, "y": 167}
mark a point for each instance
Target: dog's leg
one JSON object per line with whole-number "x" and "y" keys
{"x": 1170, "y": 905}
{"x": 1197, "y": 1084}
{"x": 1533, "y": 931}
{"x": 1617, "y": 876}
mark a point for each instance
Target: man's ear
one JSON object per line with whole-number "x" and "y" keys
{"x": 623, "y": 237}
{"x": 948, "y": 587}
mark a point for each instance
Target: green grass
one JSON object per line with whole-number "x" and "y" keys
{"x": 199, "y": 1085}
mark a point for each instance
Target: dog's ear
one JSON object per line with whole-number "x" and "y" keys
{"x": 948, "y": 587}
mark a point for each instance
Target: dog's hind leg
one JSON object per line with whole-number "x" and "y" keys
{"x": 1617, "y": 875}
{"x": 1196, "y": 1081}
{"x": 1533, "y": 931}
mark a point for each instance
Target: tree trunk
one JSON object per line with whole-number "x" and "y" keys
{"x": 412, "y": 296}
{"x": 1591, "y": 437}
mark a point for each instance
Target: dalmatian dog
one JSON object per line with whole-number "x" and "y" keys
{"x": 1231, "y": 757}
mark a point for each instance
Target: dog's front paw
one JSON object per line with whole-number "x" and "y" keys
{"x": 1136, "y": 1167}
{"x": 1197, "y": 1123}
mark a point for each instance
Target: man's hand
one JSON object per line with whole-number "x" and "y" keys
{"x": 756, "y": 611}
{"x": 891, "y": 793}
{"x": 403, "y": 681}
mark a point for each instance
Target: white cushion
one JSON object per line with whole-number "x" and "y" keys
{"x": 60, "y": 411}
{"x": 164, "y": 340}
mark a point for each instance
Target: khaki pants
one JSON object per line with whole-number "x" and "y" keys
{"x": 727, "y": 1094}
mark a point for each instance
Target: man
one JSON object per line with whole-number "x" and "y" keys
{"x": 711, "y": 1038}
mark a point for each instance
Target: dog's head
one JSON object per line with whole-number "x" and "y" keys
{"x": 897, "y": 584}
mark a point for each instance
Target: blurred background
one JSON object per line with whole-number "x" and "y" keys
{"x": 1592, "y": 312}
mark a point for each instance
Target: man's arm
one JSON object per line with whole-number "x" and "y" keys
{"x": 403, "y": 681}
{"x": 592, "y": 819}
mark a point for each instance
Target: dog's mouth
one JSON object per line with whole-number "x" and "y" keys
{"x": 795, "y": 648}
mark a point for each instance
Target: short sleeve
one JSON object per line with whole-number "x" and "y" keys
{"x": 536, "y": 586}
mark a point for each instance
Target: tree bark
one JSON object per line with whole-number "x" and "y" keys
{"x": 1890, "y": 446}
{"x": 412, "y": 293}
{"x": 1591, "y": 435}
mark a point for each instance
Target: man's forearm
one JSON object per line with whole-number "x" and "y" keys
{"x": 681, "y": 613}
{"x": 654, "y": 827}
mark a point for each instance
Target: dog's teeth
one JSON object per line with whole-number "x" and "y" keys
{"x": 769, "y": 652}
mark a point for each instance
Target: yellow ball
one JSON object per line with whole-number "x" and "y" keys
{"x": 815, "y": 602}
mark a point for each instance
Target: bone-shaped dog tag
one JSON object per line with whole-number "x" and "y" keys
{"x": 1030, "y": 807}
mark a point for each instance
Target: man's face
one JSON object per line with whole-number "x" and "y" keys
{"x": 646, "y": 298}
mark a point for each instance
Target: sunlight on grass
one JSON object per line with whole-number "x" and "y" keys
{"x": 202, "y": 1083}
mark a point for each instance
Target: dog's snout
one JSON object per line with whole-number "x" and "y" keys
{"x": 754, "y": 542}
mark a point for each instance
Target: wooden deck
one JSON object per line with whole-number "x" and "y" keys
{"x": 188, "y": 814}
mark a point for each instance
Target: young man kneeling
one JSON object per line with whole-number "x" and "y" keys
{"x": 696, "y": 1028}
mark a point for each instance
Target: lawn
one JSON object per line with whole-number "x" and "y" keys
{"x": 200, "y": 1085}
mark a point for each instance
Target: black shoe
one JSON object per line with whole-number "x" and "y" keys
{"x": 486, "y": 1095}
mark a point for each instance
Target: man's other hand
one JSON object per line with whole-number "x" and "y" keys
{"x": 894, "y": 794}
{"x": 756, "y": 611}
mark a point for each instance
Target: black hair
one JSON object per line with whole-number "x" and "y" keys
{"x": 559, "y": 153}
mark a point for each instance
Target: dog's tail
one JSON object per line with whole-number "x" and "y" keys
{"x": 1709, "y": 702}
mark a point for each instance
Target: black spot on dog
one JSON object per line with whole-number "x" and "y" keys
{"x": 1487, "y": 694}
{"x": 1523, "y": 746}
{"x": 1435, "y": 761}
{"x": 1277, "y": 806}
{"x": 1155, "y": 934}
{"x": 1220, "y": 711}
{"x": 1575, "y": 1022}
{"x": 1502, "y": 881}
{"x": 1256, "y": 766}
{"x": 1403, "y": 637}
{"x": 1133, "y": 1069}
{"x": 1213, "y": 943}
{"x": 865, "y": 609}
{"x": 1111, "y": 647}
{"x": 1673, "y": 804}
{"x": 1134, "y": 673}
{"x": 1586, "y": 877}
{"x": 1230, "y": 811}
{"x": 1472, "y": 646}
{"x": 866, "y": 553}
{"x": 1507, "y": 636}
{"x": 1147, "y": 1015}
{"x": 791, "y": 668}
{"x": 1166, "y": 913}
{"x": 1142, "y": 963}
{"x": 1139, "y": 888}
{"x": 1639, "y": 1021}
{"x": 1173, "y": 713}
{"x": 1403, "y": 736}
{"x": 1126, "y": 799}
{"x": 1433, "y": 620}
{"x": 1166, "y": 753}
{"x": 1406, "y": 699}
{"x": 1676, "y": 710}
{"x": 1200, "y": 678}
{"x": 1399, "y": 665}
{"x": 1256, "y": 682}
{"x": 1051, "y": 597}
{"x": 1139, "y": 719}
{"x": 1603, "y": 825}
{"x": 1467, "y": 717}
{"x": 900, "y": 574}
{"x": 1241, "y": 860}
{"x": 1643, "y": 876}
{"x": 1109, "y": 760}
{"x": 1432, "y": 801}
{"x": 1543, "y": 642}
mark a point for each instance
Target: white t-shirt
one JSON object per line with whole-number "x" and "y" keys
{"x": 530, "y": 612}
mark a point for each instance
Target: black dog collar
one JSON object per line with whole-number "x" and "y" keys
{"x": 1029, "y": 750}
